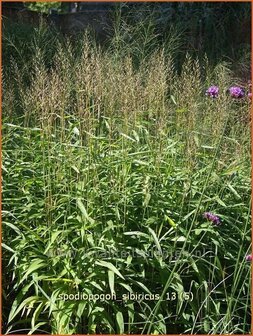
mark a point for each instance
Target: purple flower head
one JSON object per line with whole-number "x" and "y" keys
{"x": 248, "y": 257}
{"x": 212, "y": 218}
{"x": 213, "y": 91}
{"x": 236, "y": 92}
{"x": 250, "y": 95}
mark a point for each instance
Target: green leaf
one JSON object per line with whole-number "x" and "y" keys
{"x": 233, "y": 190}
{"x": 127, "y": 137}
{"x": 80, "y": 309}
{"x": 179, "y": 239}
{"x": 35, "y": 265}
{"x": 206, "y": 326}
{"x": 171, "y": 222}
{"x": 83, "y": 211}
{"x": 131, "y": 312}
{"x": 142, "y": 163}
{"x": 75, "y": 169}
{"x": 173, "y": 99}
{"x": 140, "y": 284}
{"x": 8, "y": 248}
{"x": 156, "y": 240}
{"x": 194, "y": 265}
{"x": 37, "y": 326}
{"x": 110, "y": 266}
{"x": 207, "y": 147}
{"x": 15, "y": 228}
{"x": 120, "y": 322}
{"x": 127, "y": 287}
{"x": 161, "y": 324}
{"x": 220, "y": 201}
{"x": 36, "y": 315}
{"x": 96, "y": 285}
{"x": 54, "y": 235}
{"x": 111, "y": 281}
{"x": 17, "y": 301}
{"x": 29, "y": 300}
{"x": 76, "y": 131}
{"x": 136, "y": 233}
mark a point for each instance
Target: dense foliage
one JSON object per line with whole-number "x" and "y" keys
{"x": 124, "y": 176}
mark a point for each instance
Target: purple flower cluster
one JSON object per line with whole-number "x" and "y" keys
{"x": 212, "y": 218}
{"x": 236, "y": 92}
{"x": 213, "y": 91}
{"x": 216, "y": 221}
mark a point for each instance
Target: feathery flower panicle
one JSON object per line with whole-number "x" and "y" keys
{"x": 248, "y": 257}
{"x": 213, "y": 91}
{"x": 212, "y": 218}
{"x": 236, "y": 92}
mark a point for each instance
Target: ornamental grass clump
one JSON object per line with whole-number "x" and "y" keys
{"x": 105, "y": 160}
